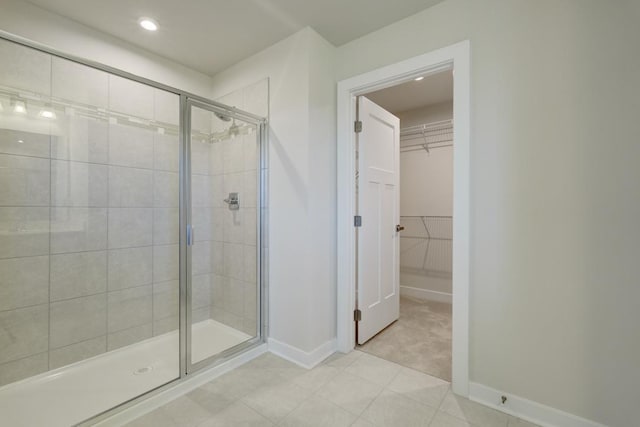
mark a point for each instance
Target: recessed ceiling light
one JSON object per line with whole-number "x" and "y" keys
{"x": 419, "y": 78}
{"x": 148, "y": 24}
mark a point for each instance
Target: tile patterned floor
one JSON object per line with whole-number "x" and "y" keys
{"x": 357, "y": 390}
{"x": 419, "y": 339}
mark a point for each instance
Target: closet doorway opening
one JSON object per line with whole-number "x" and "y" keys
{"x": 404, "y": 195}
{"x": 384, "y": 247}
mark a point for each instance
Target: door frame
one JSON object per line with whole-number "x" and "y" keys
{"x": 455, "y": 57}
{"x": 187, "y": 367}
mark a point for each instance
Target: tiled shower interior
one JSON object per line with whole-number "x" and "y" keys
{"x": 89, "y": 227}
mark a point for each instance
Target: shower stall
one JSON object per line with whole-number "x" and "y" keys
{"x": 131, "y": 236}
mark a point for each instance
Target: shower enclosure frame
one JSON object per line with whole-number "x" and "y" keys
{"x": 187, "y": 99}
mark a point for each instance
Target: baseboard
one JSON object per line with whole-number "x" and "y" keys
{"x": 301, "y": 358}
{"x": 525, "y": 409}
{"x": 131, "y": 413}
{"x": 425, "y": 294}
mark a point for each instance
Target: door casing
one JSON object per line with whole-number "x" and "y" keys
{"x": 455, "y": 57}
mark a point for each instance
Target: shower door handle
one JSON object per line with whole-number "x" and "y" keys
{"x": 190, "y": 235}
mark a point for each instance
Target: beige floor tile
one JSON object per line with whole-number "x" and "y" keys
{"x": 211, "y": 401}
{"x": 361, "y": 422}
{"x": 318, "y": 412}
{"x": 350, "y": 392}
{"x": 517, "y": 422}
{"x": 242, "y": 381}
{"x": 390, "y": 409}
{"x": 316, "y": 377}
{"x": 342, "y": 360}
{"x": 374, "y": 369}
{"x": 278, "y": 401}
{"x": 237, "y": 415}
{"x": 157, "y": 418}
{"x": 277, "y": 365}
{"x": 472, "y": 412}
{"x": 420, "y": 387}
{"x": 185, "y": 412}
{"x": 419, "y": 339}
{"x": 442, "y": 419}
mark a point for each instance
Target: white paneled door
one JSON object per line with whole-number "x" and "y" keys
{"x": 378, "y": 205}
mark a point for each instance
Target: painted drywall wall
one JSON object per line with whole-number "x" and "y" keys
{"x": 426, "y": 189}
{"x": 426, "y": 179}
{"x": 554, "y": 288}
{"x": 36, "y": 24}
{"x": 301, "y": 207}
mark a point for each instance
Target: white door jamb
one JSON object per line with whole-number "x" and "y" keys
{"x": 456, "y": 57}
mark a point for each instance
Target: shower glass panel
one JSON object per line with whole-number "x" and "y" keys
{"x": 224, "y": 286}
{"x": 89, "y": 235}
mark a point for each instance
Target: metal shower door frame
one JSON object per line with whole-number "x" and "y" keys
{"x": 186, "y": 233}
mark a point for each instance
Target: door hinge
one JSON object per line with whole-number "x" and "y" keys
{"x": 357, "y": 126}
{"x": 357, "y": 315}
{"x": 357, "y": 221}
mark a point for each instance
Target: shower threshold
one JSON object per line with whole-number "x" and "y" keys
{"x": 74, "y": 393}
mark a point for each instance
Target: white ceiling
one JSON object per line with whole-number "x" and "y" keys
{"x": 433, "y": 89}
{"x": 211, "y": 35}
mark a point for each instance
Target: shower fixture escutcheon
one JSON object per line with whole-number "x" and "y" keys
{"x": 233, "y": 201}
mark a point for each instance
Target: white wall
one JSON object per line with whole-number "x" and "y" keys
{"x": 430, "y": 113}
{"x": 426, "y": 189}
{"x": 426, "y": 179}
{"x": 555, "y": 203}
{"x": 301, "y": 184}
{"x": 36, "y": 24}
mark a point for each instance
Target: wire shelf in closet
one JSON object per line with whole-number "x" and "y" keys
{"x": 426, "y": 245}
{"x": 427, "y": 136}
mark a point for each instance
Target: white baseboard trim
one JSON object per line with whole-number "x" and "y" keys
{"x": 528, "y": 410}
{"x": 426, "y": 294}
{"x": 180, "y": 389}
{"x": 301, "y": 358}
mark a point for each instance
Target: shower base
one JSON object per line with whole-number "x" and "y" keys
{"x": 71, "y": 394}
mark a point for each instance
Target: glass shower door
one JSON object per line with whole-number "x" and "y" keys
{"x": 223, "y": 290}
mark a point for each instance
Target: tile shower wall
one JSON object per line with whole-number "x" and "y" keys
{"x": 88, "y": 213}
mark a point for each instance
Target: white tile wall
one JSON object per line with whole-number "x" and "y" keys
{"x": 166, "y": 107}
{"x": 166, "y": 264}
{"x": 130, "y": 187}
{"x": 165, "y": 226}
{"x": 75, "y": 352}
{"x": 77, "y": 320}
{"x": 78, "y": 184}
{"x": 166, "y": 152}
{"x": 75, "y": 82}
{"x": 130, "y": 146}
{"x": 25, "y": 181}
{"x": 78, "y": 274}
{"x": 24, "y": 282}
{"x": 24, "y": 332}
{"x": 26, "y": 69}
{"x": 33, "y": 144}
{"x": 128, "y": 336}
{"x": 130, "y": 267}
{"x": 130, "y": 307}
{"x": 81, "y": 139}
{"x": 78, "y": 229}
{"x": 131, "y": 98}
{"x": 130, "y": 227}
